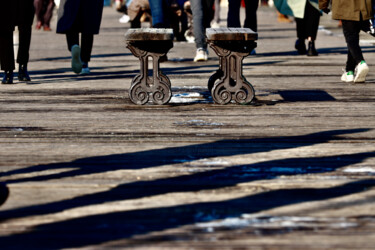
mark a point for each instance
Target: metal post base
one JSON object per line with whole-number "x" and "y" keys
{"x": 228, "y": 83}
{"x": 144, "y": 87}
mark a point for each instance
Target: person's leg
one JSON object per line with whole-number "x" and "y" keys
{"x": 199, "y": 29}
{"x": 233, "y": 17}
{"x": 312, "y": 18}
{"x": 208, "y": 13}
{"x": 159, "y": 13}
{"x": 251, "y": 14}
{"x": 23, "y": 52}
{"x": 7, "y": 56}
{"x": 217, "y": 12}
{"x": 24, "y": 44}
{"x": 351, "y": 31}
{"x": 72, "y": 39}
{"x": 301, "y": 36}
{"x": 87, "y": 41}
{"x": 38, "y": 5}
{"x": 48, "y": 15}
{"x": 6, "y": 51}
{"x": 355, "y": 61}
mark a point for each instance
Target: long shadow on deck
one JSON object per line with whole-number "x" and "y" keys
{"x": 96, "y": 229}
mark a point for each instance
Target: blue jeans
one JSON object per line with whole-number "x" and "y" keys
{"x": 159, "y": 12}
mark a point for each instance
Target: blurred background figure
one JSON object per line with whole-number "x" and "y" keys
{"x": 15, "y": 13}
{"x": 216, "y": 22}
{"x": 43, "y": 13}
{"x": 75, "y": 17}
{"x": 203, "y": 13}
{"x": 307, "y": 16}
{"x": 251, "y": 7}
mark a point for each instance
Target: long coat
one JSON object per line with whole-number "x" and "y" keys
{"x": 16, "y": 13}
{"x": 295, "y": 8}
{"x": 350, "y": 10}
{"x": 86, "y": 15}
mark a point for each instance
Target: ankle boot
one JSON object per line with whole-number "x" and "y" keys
{"x": 300, "y": 47}
{"x": 23, "y": 75}
{"x": 311, "y": 50}
{"x": 8, "y": 77}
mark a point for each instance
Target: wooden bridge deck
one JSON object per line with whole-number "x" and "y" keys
{"x": 86, "y": 168}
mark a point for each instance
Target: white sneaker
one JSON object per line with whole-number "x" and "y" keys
{"x": 76, "y": 59}
{"x": 347, "y": 76}
{"x": 202, "y": 55}
{"x": 85, "y": 71}
{"x": 361, "y": 72}
{"x": 124, "y": 19}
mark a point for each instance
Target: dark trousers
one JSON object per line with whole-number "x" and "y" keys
{"x": 7, "y": 51}
{"x": 308, "y": 26}
{"x": 44, "y": 11}
{"x": 351, "y": 31}
{"x": 251, "y": 7}
{"x": 87, "y": 41}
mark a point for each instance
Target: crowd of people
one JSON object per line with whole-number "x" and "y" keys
{"x": 80, "y": 20}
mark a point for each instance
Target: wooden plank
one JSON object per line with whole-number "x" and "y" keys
{"x": 149, "y": 34}
{"x": 235, "y": 34}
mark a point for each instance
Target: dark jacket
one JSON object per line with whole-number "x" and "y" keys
{"x": 350, "y": 10}
{"x": 79, "y": 15}
{"x": 16, "y": 13}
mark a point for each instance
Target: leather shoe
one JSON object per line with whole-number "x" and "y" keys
{"x": 23, "y": 75}
{"x": 8, "y": 77}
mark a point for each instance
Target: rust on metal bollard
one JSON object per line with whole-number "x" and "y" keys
{"x": 232, "y": 45}
{"x": 146, "y": 44}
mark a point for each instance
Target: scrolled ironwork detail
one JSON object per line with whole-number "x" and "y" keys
{"x": 157, "y": 86}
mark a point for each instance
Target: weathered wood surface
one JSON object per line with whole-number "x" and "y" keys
{"x": 86, "y": 168}
{"x": 236, "y": 34}
{"x": 152, "y": 34}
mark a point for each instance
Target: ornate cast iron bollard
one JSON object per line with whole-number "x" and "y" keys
{"x": 232, "y": 45}
{"x": 146, "y": 44}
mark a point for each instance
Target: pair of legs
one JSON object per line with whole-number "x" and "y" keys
{"x": 251, "y": 7}
{"x": 7, "y": 54}
{"x": 87, "y": 41}
{"x": 43, "y": 12}
{"x": 356, "y": 68}
{"x": 81, "y": 55}
{"x": 307, "y": 28}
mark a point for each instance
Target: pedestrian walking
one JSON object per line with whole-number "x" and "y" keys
{"x": 15, "y": 13}
{"x": 307, "y": 17}
{"x": 355, "y": 17}
{"x": 251, "y": 7}
{"x": 43, "y": 13}
{"x": 77, "y": 17}
{"x": 203, "y": 14}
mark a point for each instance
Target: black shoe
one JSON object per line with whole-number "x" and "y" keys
{"x": 301, "y": 47}
{"x": 312, "y": 51}
{"x": 8, "y": 77}
{"x": 23, "y": 75}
